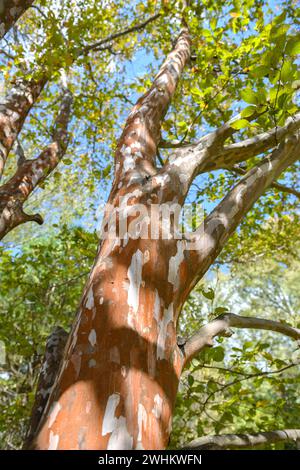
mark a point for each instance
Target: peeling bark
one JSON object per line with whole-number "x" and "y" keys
{"x": 122, "y": 364}
{"x": 31, "y": 173}
{"x": 53, "y": 355}
{"x": 10, "y": 12}
{"x": 14, "y": 109}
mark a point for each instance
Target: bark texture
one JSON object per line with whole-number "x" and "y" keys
{"x": 52, "y": 358}
{"x": 31, "y": 173}
{"x": 10, "y": 12}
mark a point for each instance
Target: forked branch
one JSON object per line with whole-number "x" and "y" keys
{"x": 241, "y": 441}
{"x": 221, "y": 327}
{"x": 31, "y": 173}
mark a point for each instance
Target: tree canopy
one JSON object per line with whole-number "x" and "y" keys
{"x": 76, "y": 68}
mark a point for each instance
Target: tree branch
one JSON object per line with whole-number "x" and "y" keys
{"x": 241, "y": 151}
{"x": 31, "y": 173}
{"x": 10, "y": 12}
{"x": 113, "y": 36}
{"x": 221, "y": 327}
{"x": 275, "y": 185}
{"x": 213, "y": 233}
{"x": 240, "y": 441}
{"x": 15, "y": 107}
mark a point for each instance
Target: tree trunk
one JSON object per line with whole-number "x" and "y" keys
{"x": 121, "y": 373}
{"x": 117, "y": 385}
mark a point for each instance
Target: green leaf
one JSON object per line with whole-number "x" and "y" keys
{"x": 287, "y": 71}
{"x": 248, "y": 111}
{"x": 260, "y": 71}
{"x": 293, "y": 47}
{"x": 240, "y": 124}
{"x": 209, "y": 294}
{"x": 249, "y": 96}
{"x": 196, "y": 91}
{"x": 191, "y": 380}
{"x": 218, "y": 354}
{"x": 220, "y": 310}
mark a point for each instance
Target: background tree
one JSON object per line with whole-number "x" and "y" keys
{"x": 124, "y": 338}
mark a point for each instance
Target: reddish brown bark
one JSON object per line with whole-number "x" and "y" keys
{"x": 14, "y": 110}
{"x": 31, "y": 173}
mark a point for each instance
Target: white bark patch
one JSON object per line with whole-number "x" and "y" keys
{"x": 142, "y": 421}
{"x": 92, "y": 363}
{"x": 157, "y": 408}
{"x": 53, "y": 441}
{"x": 120, "y": 438}
{"x": 109, "y": 419}
{"x": 174, "y": 264}
{"x": 88, "y": 407}
{"x": 93, "y": 337}
{"x": 37, "y": 175}
{"x": 163, "y": 331}
{"x": 134, "y": 274}
{"x": 128, "y": 162}
{"x": 90, "y": 303}
{"x": 183, "y": 178}
{"x": 114, "y": 355}
{"x": 56, "y": 407}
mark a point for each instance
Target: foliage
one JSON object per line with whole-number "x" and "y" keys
{"x": 40, "y": 289}
{"x": 250, "y": 382}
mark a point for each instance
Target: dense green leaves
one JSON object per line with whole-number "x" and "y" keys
{"x": 40, "y": 289}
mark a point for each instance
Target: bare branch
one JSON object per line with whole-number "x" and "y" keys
{"x": 221, "y": 327}
{"x": 10, "y": 12}
{"x": 241, "y": 151}
{"x": 280, "y": 187}
{"x": 240, "y": 441}
{"x": 53, "y": 354}
{"x": 31, "y": 173}
{"x": 210, "y": 154}
{"x": 106, "y": 41}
